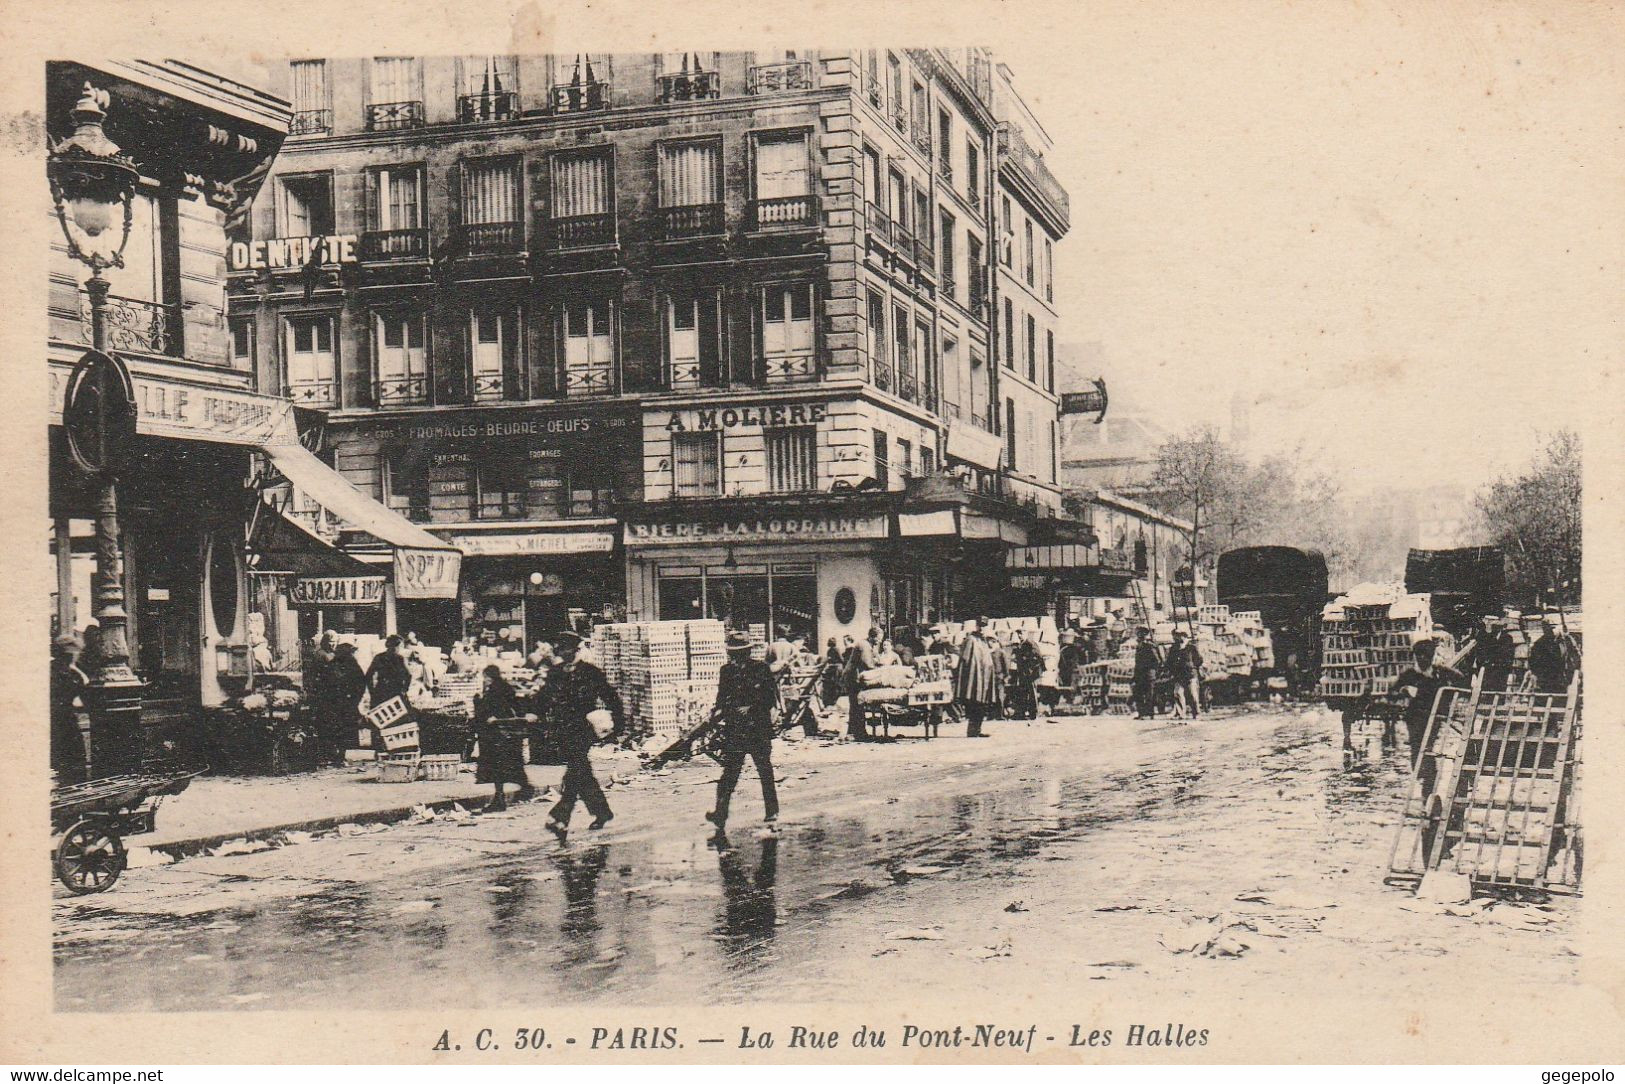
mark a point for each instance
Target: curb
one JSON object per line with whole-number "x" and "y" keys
{"x": 189, "y": 848}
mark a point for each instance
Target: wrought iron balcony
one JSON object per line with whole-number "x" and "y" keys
{"x": 141, "y": 326}
{"x": 580, "y": 97}
{"x": 908, "y": 387}
{"x": 311, "y": 122}
{"x": 321, "y": 394}
{"x": 899, "y": 120}
{"x": 879, "y": 223}
{"x": 389, "y": 116}
{"x": 395, "y": 244}
{"x": 586, "y": 381}
{"x": 488, "y": 387}
{"x": 583, "y": 231}
{"x": 401, "y": 391}
{"x": 479, "y": 108}
{"x": 784, "y": 212}
{"x": 945, "y": 170}
{"x": 689, "y": 86}
{"x": 922, "y": 137}
{"x": 884, "y": 376}
{"x": 949, "y": 287}
{"x": 787, "y": 75}
{"x": 904, "y": 241}
{"x": 694, "y": 220}
{"x": 688, "y": 375}
{"x": 925, "y": 255}
{"x": 493, "y": 238}
{"x": 1020, "y": 155}
{"x": 876, "y": 96}
{"x": 788, "y": 369}
{"x": 978, "y": 294}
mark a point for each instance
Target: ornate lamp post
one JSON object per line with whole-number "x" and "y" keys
{"x": 90, "y": 181}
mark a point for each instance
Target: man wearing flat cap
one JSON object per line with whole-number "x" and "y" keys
{"x": 575, "y": 690}
{"x": 747, "y": 694}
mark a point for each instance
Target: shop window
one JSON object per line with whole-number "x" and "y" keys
{"x": 787, "y": 329}
{"x": 696, "y": 464}
{"x": 400, "y": 359}
{"x": 406, "y": 481}
{"x": 589, "y": 347}
{"x": 905, "y": 457}
{"x": 312, "y": 361}
{"x": 493, "y": 347}
{"x": 307, "y": 205}
{"x": 882, "y": 454}
{"x": 792, "y": 458}
{"x": 694, "y": 339}
{"x": 500, "y": 484}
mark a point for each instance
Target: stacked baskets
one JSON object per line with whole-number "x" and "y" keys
{"x": 1366, "y": 638}
{"x": 665, "y": 671}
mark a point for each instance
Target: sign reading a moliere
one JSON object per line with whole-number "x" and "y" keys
{"x": 291, "y": 252}
{"x": 747, "y": 416}
{"x": 776, "y": 529}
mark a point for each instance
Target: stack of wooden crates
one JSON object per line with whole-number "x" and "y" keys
{"x": 1366, "y": 637}
{"x": 665, "y": 671}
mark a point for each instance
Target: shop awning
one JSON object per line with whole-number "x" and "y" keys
{"x": 424, "y": 566}
{"x": 282, "y": 543}
{"x": 975, "y": 446}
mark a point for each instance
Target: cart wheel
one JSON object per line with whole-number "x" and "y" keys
{"x": 89, "y": 858}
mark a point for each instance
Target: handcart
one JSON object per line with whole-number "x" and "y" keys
{"x": 93, "y": 818}
{"x": 798, "y": 692}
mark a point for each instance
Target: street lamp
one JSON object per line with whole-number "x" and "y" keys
{"x": 90, "y": 180}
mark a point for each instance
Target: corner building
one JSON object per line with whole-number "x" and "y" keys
{"x": 674, "y": 335}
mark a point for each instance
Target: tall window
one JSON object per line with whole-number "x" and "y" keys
{"x": 899, "y": 199}
{"x": 919, "y": 114}
{"x": 690, "y": 173}
{"x": 694, "y": 339}
{"x": 873, "y": 183}
{"x": 945, "y": 142}
{"x": 882, "y": 453}
{"x": 1007, "y": 236}
{"x": 308, "y": 79}
{"x": 1049, "y": 341}
{"x": 307, "y": 205}
{"x": 1049, "y": 270}
{"x": 500, "y": 485}
{"x": 589, "y": 347}
{"x": 905, "y": 457}
{"x": 945, "y": 250}
{"x": 242, "y": 343}
{"x": 490, "y": 192}
{"x": 312, "y": 364}
{"x": 395, "y": 198}
{"x": 1009, "y": 335}
{"x": 951, "y": 383}
{"x": 696, "y": 464}
{"x": 894, "y": 83}
{"x": 581, "y": 185}
{"x": 973, "y": 173}
{"x": 782, "y": 168}
{"x": 922, "y": 217}
{"x": 488, "y": 77}
{"x": 493, "y": 336}
{"x": 877, "y": 331}
{"x": 900, "y": 344}
{"x": 1027, "y": 250}
{"x": 401, "y": 361}
{"x": 792, "y": 458}
{"x": 395, "y": 79}
{"x": 406, "y": 480}
{"x": 787, "y": 323}
{"x": 974, "y": 270}
{"x": 1032, "y": 349}
{"x": 928, "y": 361}
{"x": 1010, "y": 438}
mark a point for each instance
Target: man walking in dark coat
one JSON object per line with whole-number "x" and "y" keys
{"x": 68, "y": 684}
{"x": 577, "y": 689}
{"x": 388, "y": 676}
{"x": 1185, "y": 668}
{"x": 1146, "y": 665}
{"x": 1550, "y": 659}
{"x": 746, "y": 697}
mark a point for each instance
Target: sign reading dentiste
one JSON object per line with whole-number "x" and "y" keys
{"x": 775, "y": 529}
{"x": 276, "y": 253}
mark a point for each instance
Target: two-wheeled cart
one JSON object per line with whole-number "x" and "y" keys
{"x": 93, "y": 818}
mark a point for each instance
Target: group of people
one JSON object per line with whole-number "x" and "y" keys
{"x": 1180, "y": 666}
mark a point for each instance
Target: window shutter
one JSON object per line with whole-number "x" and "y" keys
{"x": 372, "y": 200}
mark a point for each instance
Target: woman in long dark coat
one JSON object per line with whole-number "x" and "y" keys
{"x": 501, "y": 759}
{"x": 975, "y": 681}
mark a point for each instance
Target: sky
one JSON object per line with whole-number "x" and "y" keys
{"x": 1381, "y": 225}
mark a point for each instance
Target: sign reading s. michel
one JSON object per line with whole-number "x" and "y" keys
{"x": 775, "y": 529}
{"x": 277, "y": 253}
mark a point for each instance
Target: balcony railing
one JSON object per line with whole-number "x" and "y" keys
{"x": 1019, "y": 153}
{"x": 879, "y": 222}
{"x": 945, "y": 170}
{"x": 884, "y": 377}
{"x": 689, "y": 86}
{"x": 580, "y": 97}
{"x": 311, "y": 122}
{"x": 784, "y": 212}
{"x": 395, "y": 244}
{"x": 388, "y": 116}
{"x": 904, "y": 241}
{"x": 922, "y": 137}
{"x": 583, "y": 231}
{"x": 788, "y": 368}
{"x": 694, "y": 220}
{"x": 978, "y": 294}
{"x": 908, "y": 387}
{"x": 776, "y": 78}
{"x": 925, "y": 255}
{"x": 487, "y": 387}
{"x": 585, "y": 381}
{"x": 689, "y": 375}
{"x": 142, "y": 326}
{"x": 493, "y": 238}
{"x": 899, "y": 120}
{"x": 321, "y": 394}
{"x": 949, "y": 287}
{"x": 478, "y": 108}
{"x": 401, "y": 391}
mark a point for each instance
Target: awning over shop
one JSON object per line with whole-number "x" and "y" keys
{"x": 975, "y": 446}
{"x": 926, "y": 524}
{"x": 424, "y": 566}
{"x": 281, "y": 543}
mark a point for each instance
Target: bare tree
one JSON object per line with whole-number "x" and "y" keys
{"x": 1535, "y": 519}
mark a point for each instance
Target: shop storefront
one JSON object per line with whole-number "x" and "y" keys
{"x": 521, "y": 585}
{"x": 1073, "y": 581}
